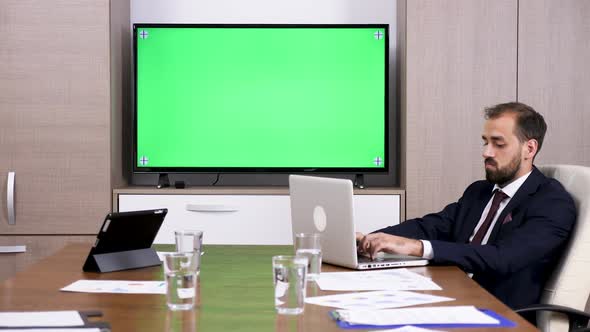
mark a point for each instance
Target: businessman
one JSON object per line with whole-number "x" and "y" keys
{"x": 509, "y": 230}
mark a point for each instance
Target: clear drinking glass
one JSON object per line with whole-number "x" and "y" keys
{"x": 180, "y": 270}
{"x": 190, "y": 241}
{"x": 289, "y": 273}
{"x": 309, "y": 245}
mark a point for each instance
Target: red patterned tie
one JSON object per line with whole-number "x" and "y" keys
{"x": 499, "y": 196}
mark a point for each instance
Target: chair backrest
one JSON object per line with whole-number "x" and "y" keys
{"x": 570, "y": 283}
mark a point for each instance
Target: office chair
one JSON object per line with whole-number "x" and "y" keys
{"x": 565, "y": 296}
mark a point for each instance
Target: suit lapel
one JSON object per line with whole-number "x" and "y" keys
{"x": 528, "y": 188}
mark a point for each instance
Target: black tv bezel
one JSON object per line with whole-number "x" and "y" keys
{"x": 275, "y": 170}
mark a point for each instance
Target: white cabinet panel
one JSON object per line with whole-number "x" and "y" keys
{"x": 372, "y": 212}
{"x": 254, "y": 219}
{"x": 249, "y": 219}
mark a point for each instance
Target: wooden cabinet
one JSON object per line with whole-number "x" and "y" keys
{"x": 248, "y": 215}
{"x": 60, "y": 110}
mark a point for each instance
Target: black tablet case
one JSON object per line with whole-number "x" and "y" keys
{"x": 124, "y": 241}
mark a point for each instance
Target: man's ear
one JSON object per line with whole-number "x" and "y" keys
{"x": 530, "y": 148}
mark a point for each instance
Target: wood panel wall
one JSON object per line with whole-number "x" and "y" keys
{"x": 554, "y": 75}
{"x": 460, "y": 57}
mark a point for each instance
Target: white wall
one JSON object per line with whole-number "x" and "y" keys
{"x": 263, "y": 11}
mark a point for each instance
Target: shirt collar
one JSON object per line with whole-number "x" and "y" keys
{"x": 513, "y": 187}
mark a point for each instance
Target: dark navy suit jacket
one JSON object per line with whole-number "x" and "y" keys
{"x": 524, "y": 245}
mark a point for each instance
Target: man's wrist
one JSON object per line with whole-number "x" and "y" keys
{"x": 419, "y": 251}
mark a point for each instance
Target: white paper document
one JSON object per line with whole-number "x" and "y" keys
{"x": 376, "y": 300}
{"x": 393, "y": 279}
{"x": 408, "y": 328}
{"x": 40, "y": 318}
{"x": 409, "y": 316}
{"x": 117, "y": 286}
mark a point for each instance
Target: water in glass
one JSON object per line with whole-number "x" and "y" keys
{"x": 290, "y": 284}
{"x": 314, "y": 257}
{"x": 181, "y": 292}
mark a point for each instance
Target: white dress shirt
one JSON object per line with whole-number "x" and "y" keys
{"x": 509, "y": 190}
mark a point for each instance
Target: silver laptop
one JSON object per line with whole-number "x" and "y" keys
{"x": 325, "y": 205}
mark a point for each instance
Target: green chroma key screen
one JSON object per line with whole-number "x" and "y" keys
{"x": 261, "y": 97}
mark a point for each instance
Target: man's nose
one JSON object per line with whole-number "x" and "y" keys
{"x": 488, "y": 151}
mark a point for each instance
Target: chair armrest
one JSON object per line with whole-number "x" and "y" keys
{"x": 577, "y": 319}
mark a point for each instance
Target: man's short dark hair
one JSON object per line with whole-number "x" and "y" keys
{"x": 529, "y": 123}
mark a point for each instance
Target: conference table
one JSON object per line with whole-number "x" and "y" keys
{"x": 235, "y": 293}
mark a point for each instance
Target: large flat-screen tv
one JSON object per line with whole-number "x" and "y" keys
{"x": 260, "y": 98}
